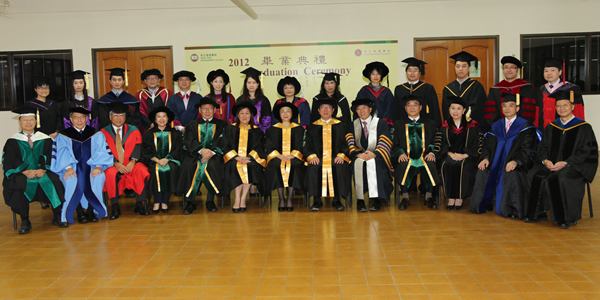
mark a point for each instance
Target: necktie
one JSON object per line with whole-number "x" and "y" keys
{"x": 365, "y": 130}
{"x": 119, "y": 146}
{"x": 29, "y": 140}
{"x": 508, "y": 125}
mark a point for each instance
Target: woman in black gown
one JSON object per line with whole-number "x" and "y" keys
{"x": 285, "y": 162}
{"x": 162, "y": 148}
{"x": 457, "y": 147}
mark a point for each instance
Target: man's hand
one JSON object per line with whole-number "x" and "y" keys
{"x": 243, "y": 159}
{"x": 484, "y": 164}
{"x": 548, "y": 164}
{"x": 206, "y": 155}
{"x": 338, "y": 160}
{"x": 558, "y": 166}
{"x": 130, "y": 165}
{"x": 511, "y": 165}
{"x": 163, "y": 162}
{"x": 70, "y": 173}
{"x": 30, "y": 174}
{"x": 314, "y": 161}
{"x": 151, "y": 126}
{"x": 96, "y": 171}
{"x": 403, "y": 158}
{"x": 39, "y": 173}
{"x": 284, "y": 158}
{"x": 363, "y": 156}
{"x": 430, "y": 157}
{"x": 122, "y": 169}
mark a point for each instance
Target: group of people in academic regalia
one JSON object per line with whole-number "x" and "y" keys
{"x": 156, "y": 143}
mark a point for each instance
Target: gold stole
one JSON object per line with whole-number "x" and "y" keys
{"x": 286, "y": 145}
{"x": 328, "y": 156}
{"x": 243, "y": 151}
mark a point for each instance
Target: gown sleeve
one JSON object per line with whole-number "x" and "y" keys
{"x": 62, "y": 155}
{"x": 100, "y": 153}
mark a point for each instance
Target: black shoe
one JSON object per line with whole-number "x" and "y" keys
{"x": 140, "y": 209}
{"x": 235, "y": 210}
{"x": 155, "y": 211}
{"x": 289, "y": 208}
{"x": 164, "y": 210}
{"x": 540, "y": 217}
{"x": 188, "y": 211}
{"x": 190, "y": 207}
{"x": 45, "y": 205}
{"x": 432, "y": 205}
{"x": 376, "y": 205}
{"x": 211, "y": 207}
{"x": 25, "y": 227}
{"x": 91, "y": 215}
{"x": 449, "y": 207}
{"x": 281, "y": 208}
{"x": 337, "y": 204}
{"x": 490, "y": 207}
{"x": 129, "y": 194}
{"x": 563, "y": 225}
{"x": 513, "y": 216}
{"x": 404, "y": 204}
{"x": 360, "y": 206}
{"x": 82, "y": 218}
{"x": 243, "y": 209}
{"x": 116, "y": 212}
{"x": 199, "y": 193}
{"x": 56, "y": 222}
{"x": 316, "y": 205}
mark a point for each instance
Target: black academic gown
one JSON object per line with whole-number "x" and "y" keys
{"x": 341, "y": 112}
{"x": 473, "y": 93}
{"x": 458, "y": 176}
{"x": 193, "y": 171}
{"x": 562, "y": 191}
{"x": 235, "y": 172}
{"x": 133, "y": 117}
{"x": 339, "y": 177}
{"x": 405, "y": 171}
{"x": 505, "y": 190}
{"x": 379, "y": 141}
{"x": 168, "y": 144}
{"x": 526, "y": 91}
{"x": 295, "y": 170}
{"x": 49, "y": 115}
{"x": 431, "y": 107}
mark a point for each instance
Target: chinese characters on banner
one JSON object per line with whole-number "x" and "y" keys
{"x": 305, "y": 61}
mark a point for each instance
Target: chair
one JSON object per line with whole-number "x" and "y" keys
{"x": 589, "y": 192}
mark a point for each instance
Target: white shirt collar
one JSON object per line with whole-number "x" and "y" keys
{"x": 569, "y": 120}
{"x": 554, "y": 83}
{"x": 506, "y": 120}
{"x": 368, "y": 120}
{"x": 327, "y": 122}
{"x": 413, "y": 82}
{"x": 115, "y": 129}
{"x": 415, "y": 119}
{"x": 79, "y": 97}
{"x": 208, "y": 119}
{"x": 82, "y": 129}
{"x": 461, "y": 82}
{"x": 153, "y": 91}
{"x": 186, "y": 93}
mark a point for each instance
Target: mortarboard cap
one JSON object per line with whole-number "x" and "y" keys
{"x": 117, "y": 72}
{"x": 358, "y": 102}
{"x": 328, "y": 101}
{"x": 79, "y": 110}
{"x": 414, "y": 62}
{"x": 206, "y": 100}
{"x": 551, "y": 62}
{"x": 412, "y": 97}
{"x": 245, "y": 104}
{"x": 564, "y": 95}
{"x": 79, "y": 74}
{"x": 456, "y": 100}
{"x": 511, "y": 60}
{"x": 508, "y": 97}
{"x": 332, "y": 76}
{"x": 25, "y": 110}
{"x": 466, "y": 57}
{"x": 251, "y": 72}
{"x": 118, "y": 108}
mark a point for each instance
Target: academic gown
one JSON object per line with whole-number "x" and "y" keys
{"x": 199, "y": 135}
{"x": 281, "y": 140}
{"x": 248, "y": 141}
{"x": 562, "y": 191}
{"x": 82, "y": 152}
{"x": 375, "y": 175}
{"x": 263, "y": 118}
{"x": 182, "y": 113}
{"x": 327, "y": 141}
{"x": 506, "y": 190}
{"x": 225, "y": 111}
{"x": 473, "y": 93}
{"x": 49, "y": 115}
{"x": 342, "y": 111}
{"x": 493, "y": 105}
{"x": 89, "y": 104}
{"x": 303, "y": 111}
{"x": 168, "y": 144}
{"x": 148, "y": 103}
{"x": 384, "y": 101}
{"x": 416, "y": 141}
{"x": 132, "y": 148}
{"x": 133, "y": 117}
{"x": 546, "y": 105}
{"x": 458, "y": 176}
{"x": 18, "y": 156}
{"x": 431, "y": 107}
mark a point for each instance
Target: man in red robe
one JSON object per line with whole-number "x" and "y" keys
{"x": 125, "y": 144}
{"x": 152, "y": 96}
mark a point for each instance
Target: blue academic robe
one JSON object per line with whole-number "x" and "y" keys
{"x": 83, "y": 152}
{"x": 384, "y": 101}
{"x": 183, "y": 114}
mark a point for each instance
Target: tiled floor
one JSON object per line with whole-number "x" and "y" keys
{"x": 265, "y": 254}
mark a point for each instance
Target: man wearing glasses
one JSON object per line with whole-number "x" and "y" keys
{"x": 431, "y": 108}
{"x": 512, "y": 84}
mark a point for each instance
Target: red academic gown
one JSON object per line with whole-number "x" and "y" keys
{"x": 147, "y": 105}
{"x": 547, "y": 110}
{"x": 132, "y": 141}
{"x": 493, "y": 105}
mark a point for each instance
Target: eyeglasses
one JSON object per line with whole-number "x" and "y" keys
{"x": 509, "y": 68}
{"x": 79, "y": 117}
{"x": 42, "y": 88}
{"x": 412, "y": 72}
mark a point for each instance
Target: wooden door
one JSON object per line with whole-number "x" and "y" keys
{"x": 439, "y": 70}
{"x": 136, "y": 61}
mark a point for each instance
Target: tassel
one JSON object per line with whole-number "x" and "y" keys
{"x": 87, "y": 82}
{"x": 427, "y": 108}
{"x": 572, "y": 96}
{"x": 197, "y": 87}
{"x": 518, "y": 99}
{"x": 38, "y": 117}
{"x": 564, "y": 75}
{"x": 261, "y": 80}
{"x": 126, "y": 79}
{"x": 468, "y": 115}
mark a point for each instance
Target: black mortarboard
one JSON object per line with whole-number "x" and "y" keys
{"x": 412, "y": 97}
{"x": 245, "y": 104}
{"x": 79, "y": 110}
{"x": 117, "y": 72}
{"x": 564, "y": 95}
{"x": 457, "y": 100}
{"x": 118, "y": 108}
{"x": 281, "y": 105}
{"x": 184, "y": 73}
{"x": 551, "y": 62}
{"x": 251, "y": 72}
{"x": 332, "y": 76}
{"x": 508, "y": 97}
{"x": 511, "y": 60}
{"x": 25, "y": 110}
{"x": 206, "y": 100}
{"x": 149, "y": 72}
{"x": 79, "y": 74}
{"x": 212, "y": 75}
{"x": 381, "y": 68}
{"x": 329, "y": 101}
{"x": 466, "y": 57}
{"x": 288, "y": 80}
{"x": 162, "y": 108}
{"x": 414, "y": 62}
{"x": 358, "y": 102}
{"x": 41, "y": 81}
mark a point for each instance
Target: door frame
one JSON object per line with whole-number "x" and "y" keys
{"x": 95, "y": 63}
{"x": 496, "y": 38}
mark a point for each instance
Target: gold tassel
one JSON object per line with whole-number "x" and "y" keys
{"x": 38, "y": 118}
{"x": 261, "y": 80}
{"x": 468, "y": 115}
{"x": 126, "y": 79}
{"x": 518, "y": 99}
{"x": 572, "y": 96}
{"x": 427, "y": 107}
{"x": 87, "y": 82}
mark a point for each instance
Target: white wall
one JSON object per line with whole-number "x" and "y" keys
{"x": 85, "y": 25}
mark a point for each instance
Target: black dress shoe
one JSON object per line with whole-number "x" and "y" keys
{"x": 56, "y": 222}
{"x": 281, "y": 208}
{"x": 431, "y": 204}
{"x": 211, "y": 207}
{"x": 25, "y": 227}
{"x": 92, "y": 216}
{"x": 376, "y": 205}
{"x": 490, "y": 207}
{"x": 563, "y": 225}
{"x": 164, "y": 210}
{"x": 129, "y": 194}
{"x": 540, "y": 217}
{"x": 316, "y": 205}
{"x": 82, "y": 219}
{"x": 289, "y": 208}
{"x": 404, "y": 204}
{"x": 242, "y": 209}
{"x": 338, "y": 205}
{"x": 140, "y": 209}
{"x": 45, "y": 205}
{"x": 155, "y": 211}
{"x": 360, "y": 206}
{"x": 188, "y": 210}
{"x": 513, "y": 216}
{"x": 456, "y": 207}
{"x": 449, "y": 207}
{"x": 235, "y": 210}
{"x": 115, "y": 213}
